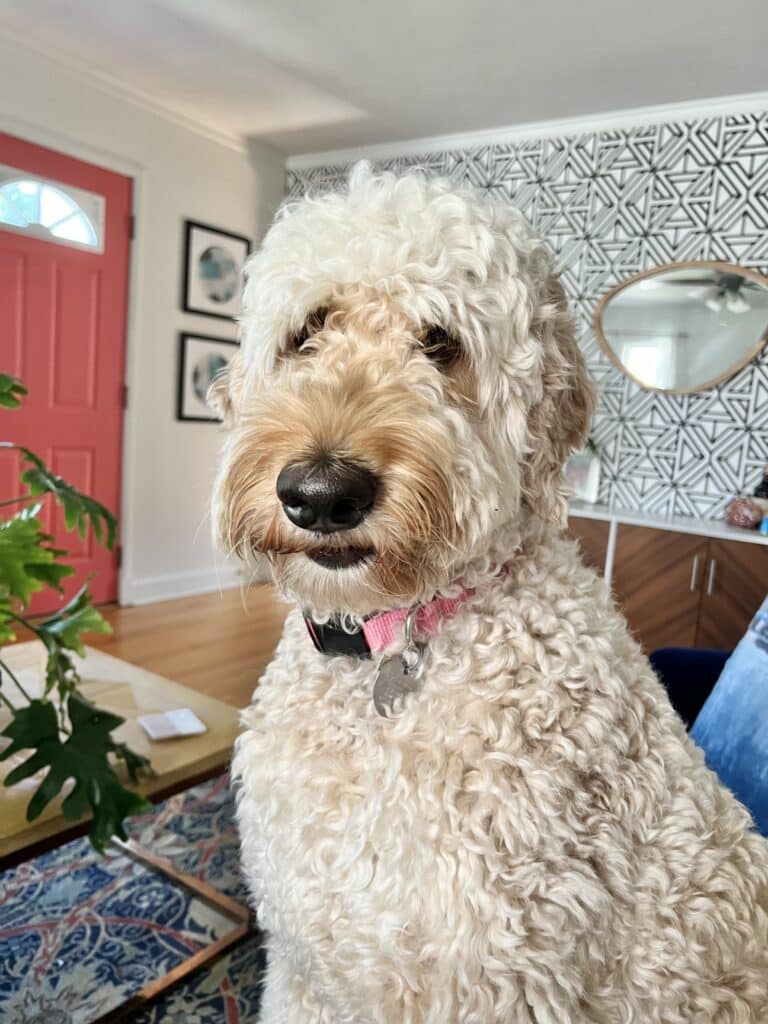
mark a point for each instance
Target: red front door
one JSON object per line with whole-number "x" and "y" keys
{"x": 62, "y": 331}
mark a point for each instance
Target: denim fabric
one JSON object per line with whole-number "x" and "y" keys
{"x": 732, "y": 727}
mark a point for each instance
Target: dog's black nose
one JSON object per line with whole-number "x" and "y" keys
{"x": 326, "y": 496}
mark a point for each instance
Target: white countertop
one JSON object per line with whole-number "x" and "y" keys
{"x": 681, "y": 524}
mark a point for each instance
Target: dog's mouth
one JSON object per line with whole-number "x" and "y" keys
{"x": 340, "y": 558}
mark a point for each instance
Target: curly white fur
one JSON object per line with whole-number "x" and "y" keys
{"x": 533, "y": 838}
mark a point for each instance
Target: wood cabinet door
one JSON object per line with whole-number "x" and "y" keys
{"x": 734, "y": 585}
{"x": 592, "y": 535}
{"x": 657, "y": 580}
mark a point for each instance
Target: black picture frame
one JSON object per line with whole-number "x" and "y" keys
{"x": 185, "y": 402}
{"x": 207, "y": 306}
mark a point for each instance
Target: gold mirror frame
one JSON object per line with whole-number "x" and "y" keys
{"x": 752, "y": 275}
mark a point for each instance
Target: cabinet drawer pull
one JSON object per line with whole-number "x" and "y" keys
{"x": 711, "y": 576}
{"x": 695, "y": 573}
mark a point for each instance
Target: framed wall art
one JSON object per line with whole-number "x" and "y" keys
{"x": 201, "y": 360}
{"x": 213, "y": 270}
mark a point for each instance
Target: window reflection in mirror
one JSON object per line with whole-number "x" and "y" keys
{"x": 684, "y": 327}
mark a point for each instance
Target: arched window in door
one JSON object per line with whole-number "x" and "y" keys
{"x": 50, "y": 210}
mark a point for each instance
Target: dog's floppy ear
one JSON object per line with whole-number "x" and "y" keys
{"x": 558, "y": 423}
{"x": 219, "y": 397}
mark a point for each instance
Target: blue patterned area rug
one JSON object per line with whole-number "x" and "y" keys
{"x": 81, "y": 933}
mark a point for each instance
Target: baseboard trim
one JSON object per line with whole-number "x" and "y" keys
{"x": 180, "y": 584}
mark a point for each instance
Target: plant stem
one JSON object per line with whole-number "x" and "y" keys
{"x": 63, "y": 727}
{"x": 17, "y": 501}
{"x": 22, "y": 622}
{"x": 24, "y": 693}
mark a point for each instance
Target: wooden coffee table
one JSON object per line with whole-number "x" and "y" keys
{"x": 128, "y": 691}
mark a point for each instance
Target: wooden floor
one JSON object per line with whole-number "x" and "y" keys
{"x": 216, "y": 643}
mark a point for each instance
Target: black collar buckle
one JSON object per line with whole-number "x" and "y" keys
{"x": 332, "y": 639}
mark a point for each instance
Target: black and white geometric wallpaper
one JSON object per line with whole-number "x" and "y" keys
{"x": 610, "y": 204}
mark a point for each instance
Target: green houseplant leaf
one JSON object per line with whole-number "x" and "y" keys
{"x": 80, "y": 511}
{"x": 11, "y": 391}
{"x": 62, "y": 633}
{"x": 65, "y": 627}
{"x": 27, "y": 562}
{"x": 83, "y": 756}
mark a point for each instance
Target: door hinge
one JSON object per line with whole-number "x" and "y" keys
{"x": 132, "y": 226}
{"x": 125, "y": 396}
{"x": 119, "y": 556}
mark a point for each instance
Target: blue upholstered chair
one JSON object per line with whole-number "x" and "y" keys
{"x": 689, "y": 675}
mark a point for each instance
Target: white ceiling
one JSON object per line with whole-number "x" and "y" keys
{"x": 312, "y": 75}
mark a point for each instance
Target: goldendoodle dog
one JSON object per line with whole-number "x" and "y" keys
{"x": 463, "y": 795}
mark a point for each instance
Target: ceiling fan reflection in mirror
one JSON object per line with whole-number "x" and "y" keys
{"x": 684, "y": 327}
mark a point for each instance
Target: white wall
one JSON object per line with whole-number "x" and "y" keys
{"x": 179, "y": 172}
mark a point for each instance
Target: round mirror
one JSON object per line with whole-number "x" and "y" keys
{"x": 685, "y": 326}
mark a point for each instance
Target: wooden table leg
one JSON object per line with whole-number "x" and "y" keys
{"x": 239, "y": 914}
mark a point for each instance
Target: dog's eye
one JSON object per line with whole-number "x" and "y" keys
{"x": 314, "y": 323}
{"x": 441, "y": 347}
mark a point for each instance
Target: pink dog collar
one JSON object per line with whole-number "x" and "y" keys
{"x": 378, "y": 632}
{"x": 382, "y": 630}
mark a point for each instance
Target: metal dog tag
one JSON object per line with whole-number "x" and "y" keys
{"x": 396, "y": 677}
